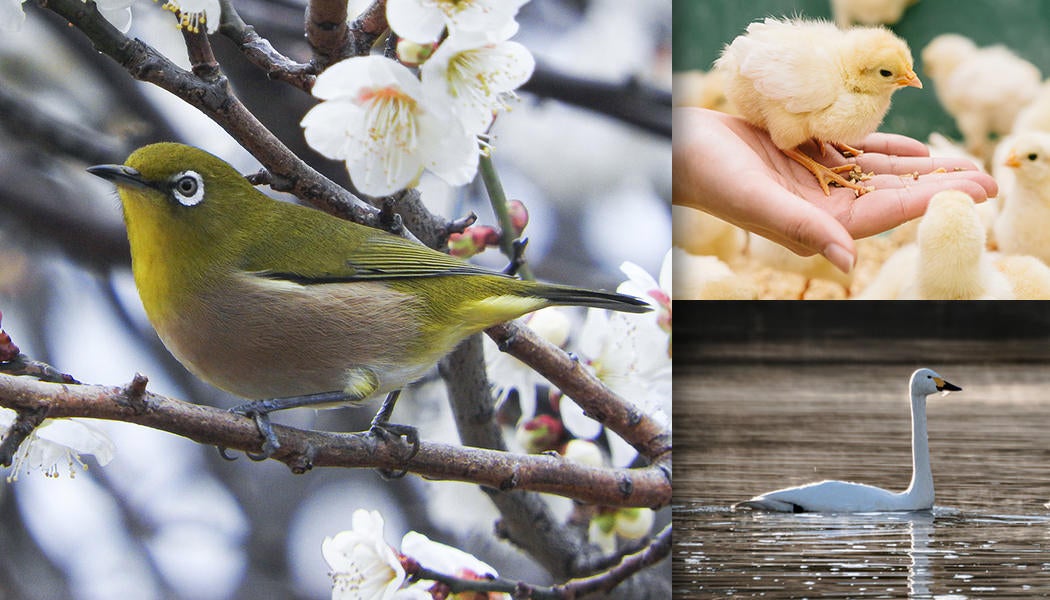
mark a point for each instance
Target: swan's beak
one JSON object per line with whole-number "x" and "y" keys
{"x": 945, "y": 387}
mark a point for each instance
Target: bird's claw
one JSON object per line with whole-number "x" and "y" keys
{"x": 270, "y": 445}
{"x": 388, "y": 431}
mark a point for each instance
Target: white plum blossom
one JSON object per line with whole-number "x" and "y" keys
{"x": 444, "y": 559}
{"x": 363, "y": 564}
{"x": 373, "y": 117}
{"x": 194, "y": 13}
{"x": 117, "y": 12}
{"x": 476, "y": 77}
{"x": 56, "y": 444}
{"x": 423, "y": 20}
{"x": 508, "y": 373}
{"x": 630, "y": 354}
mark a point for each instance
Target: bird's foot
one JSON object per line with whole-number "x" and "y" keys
{"x": 392, "y": 431}
{"x": 259, "y": 411}
{"x": 845, "y": 149}
{"x": 826, "y": 175}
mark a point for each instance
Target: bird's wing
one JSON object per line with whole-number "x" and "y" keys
{"x": 791, "y": 62}
{"x": 334, "y": 257}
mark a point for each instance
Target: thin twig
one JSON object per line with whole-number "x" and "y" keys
{"x": 368, "y": 27}
{"x": 216, "y": 100}
{"x": 261, "y": 52}
{"x": 599, "y": 402}
{"x": 498, "y": 200}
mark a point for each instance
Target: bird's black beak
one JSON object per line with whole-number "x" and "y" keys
{"x": 120, "y": 175}
{"x": 944, "y": 386}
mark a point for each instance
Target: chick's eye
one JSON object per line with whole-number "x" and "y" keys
{"x": 188, "y": 187}
{"x": 1033, "y": 156}
{"x": 885, "y": 72}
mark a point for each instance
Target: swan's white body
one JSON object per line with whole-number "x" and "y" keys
{"x": 844, "y": 496}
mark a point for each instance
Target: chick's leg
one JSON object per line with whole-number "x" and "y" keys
{"x": 825, "y": 174}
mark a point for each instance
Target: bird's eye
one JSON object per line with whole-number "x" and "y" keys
{"x": 1033, "y": 156}
{"x": 885, "y": 72}
{"x": 188, "y": 187}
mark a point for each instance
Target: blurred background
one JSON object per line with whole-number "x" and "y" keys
{"x": 169, "y": 518}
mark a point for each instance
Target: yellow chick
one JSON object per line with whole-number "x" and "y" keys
{"x": 702, "y": 234}
{"x": 707, "y": 278}
{"x": 773, "y": 255}
{"x": 868, "y": 12}
{"x": 1029, "y": 276}
{"x": 697, "y": 88}
{"x": 809, "y": 80}
{"x": 984, "y": 89}
{"x": 1036, "y": 115}
{"x": 948, "y": 261}
{"x": 1023, "y": 225}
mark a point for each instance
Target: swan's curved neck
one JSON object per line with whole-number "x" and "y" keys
{"x": 921, "y": 487}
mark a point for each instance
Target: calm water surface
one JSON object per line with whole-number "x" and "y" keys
{"x": 743, "y": 429}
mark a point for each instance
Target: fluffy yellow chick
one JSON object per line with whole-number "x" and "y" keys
{"x": 948, "y": 260}
{"x": 1036, "y": 115}
{"x": 1029, "y": 276}
{"x": 697, "y": 88}
{"x": 809, "y": 80}
{"x": 984, "y": 89}
{"x": 775, "y": 256}
{"x": 702, "y": 234}
{"x": 868, "y": 12}
{"x": 1023, "y": 225}
{"x": 707, "y": 278}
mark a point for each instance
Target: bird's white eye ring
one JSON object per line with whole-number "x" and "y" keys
{"x": 188, "y": 188}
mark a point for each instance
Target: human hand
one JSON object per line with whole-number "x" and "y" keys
{"x": 728, "y": 168}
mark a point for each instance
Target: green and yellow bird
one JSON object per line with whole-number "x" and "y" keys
{"x": 271, "y": 300}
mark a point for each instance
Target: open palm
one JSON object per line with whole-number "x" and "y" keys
{"x": 727, "y": 167}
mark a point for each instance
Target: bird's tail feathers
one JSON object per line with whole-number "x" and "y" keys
{"x": 566, "y": 295}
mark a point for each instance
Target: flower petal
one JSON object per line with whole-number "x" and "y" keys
{"x": 325, "y": 126}
{"x": 449, "y": 152}
{"x": 413, "y": 20}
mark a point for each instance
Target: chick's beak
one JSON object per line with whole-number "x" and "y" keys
{"x": 119, "y": 175}
{"x": 909, "y": 79}
{"x": 1011, "y": 160}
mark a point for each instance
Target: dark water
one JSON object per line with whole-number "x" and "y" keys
{"x": 745, "y": 428}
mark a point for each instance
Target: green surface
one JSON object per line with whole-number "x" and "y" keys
{"x": 703, "y": 27}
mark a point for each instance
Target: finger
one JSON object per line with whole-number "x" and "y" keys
{"x": 892, "y": 143}
{"x": 807, "y": 229}
{"x": 987, "y": 182}
{"x": 904, "y": 165}
{"x": 887, "y": 208}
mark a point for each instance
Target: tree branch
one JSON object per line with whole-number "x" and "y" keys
{"x": 302, "y": 450}
{"x": 216, "y": 100}
{"x": 598, "y": 402}
{"x": 261, "y": 53}
{"x": 368, "y": 27}
{"x": 630, "y": 101}
{"x": 327, "y": 32}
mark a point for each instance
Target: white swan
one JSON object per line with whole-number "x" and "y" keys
{"x": 843, "y": 496}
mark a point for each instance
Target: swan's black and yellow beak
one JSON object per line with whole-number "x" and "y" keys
{"x": 944, "y": 386}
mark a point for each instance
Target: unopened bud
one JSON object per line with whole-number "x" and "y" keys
{"x": 412, "y": 54}
{"x": 540, "y": 434}
{"x": 519, "y": 216}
